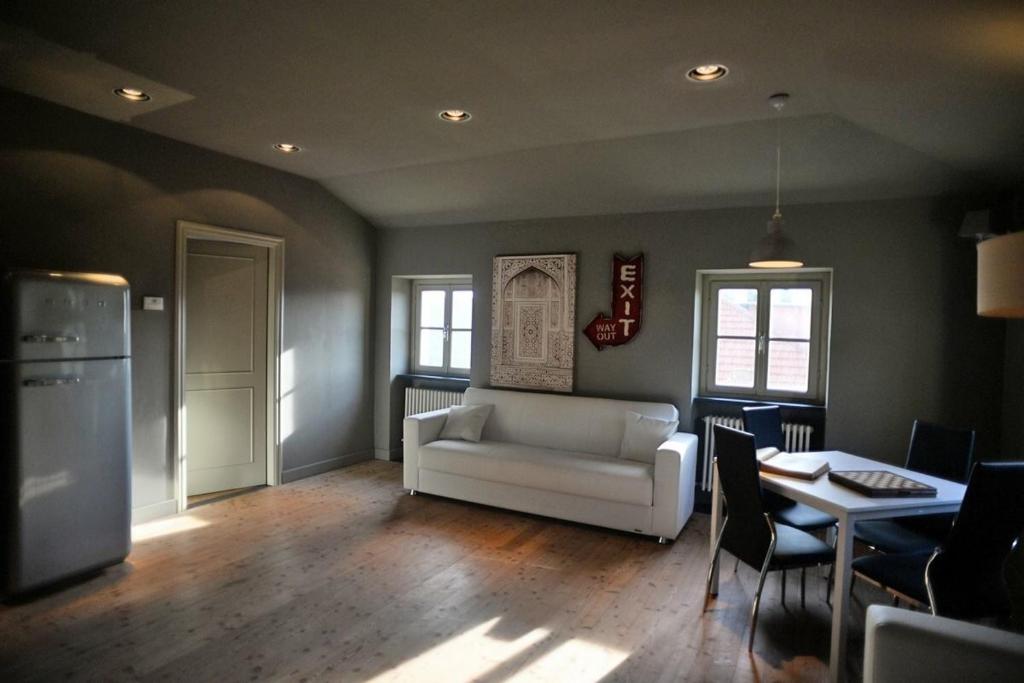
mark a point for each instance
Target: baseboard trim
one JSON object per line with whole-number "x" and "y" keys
{"x": 146, "y": 513}
{"x": 393, "y": 455}
{"x": 296, "y": 473}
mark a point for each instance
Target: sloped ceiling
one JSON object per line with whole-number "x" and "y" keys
{"x": 579, "y": 106}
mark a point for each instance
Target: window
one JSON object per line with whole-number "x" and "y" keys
{"x": 765, "y": 335}
{"x": 442, "y": 327}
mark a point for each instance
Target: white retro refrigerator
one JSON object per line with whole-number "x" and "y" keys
{"x": 65, "y": 426}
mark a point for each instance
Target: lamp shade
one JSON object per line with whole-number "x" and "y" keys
{"x": 1001, "y": 276}
{"x": 775, "y": 250}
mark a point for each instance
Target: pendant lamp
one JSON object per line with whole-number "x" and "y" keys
{"x": 1001, "y": 276}
{"x": 776, "y": 250}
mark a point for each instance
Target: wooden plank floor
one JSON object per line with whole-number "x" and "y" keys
{"x": 344, "y": 576}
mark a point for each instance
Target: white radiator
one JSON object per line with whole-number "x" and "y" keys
{"x": 798, "y": 438}
{"x": 424, "y": 400}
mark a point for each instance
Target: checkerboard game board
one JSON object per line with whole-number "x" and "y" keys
{"x": 881, "y": 484}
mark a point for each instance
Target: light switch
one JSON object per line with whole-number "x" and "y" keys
{"x": 152, "y": 303}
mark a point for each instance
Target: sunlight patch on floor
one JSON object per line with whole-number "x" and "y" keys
{"x": 476, "y": 655}
{"x": 464, "y": 657}
{"x": 576, "y": 660}
{"x": 165, "y": 527}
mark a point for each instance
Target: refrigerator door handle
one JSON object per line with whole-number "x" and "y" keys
{"x": 51, "y": 338}
{"x": 50, "y": 381}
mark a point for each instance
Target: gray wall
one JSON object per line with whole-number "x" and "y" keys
{"x": 388, "y": 408}
{"x": 81, "y": 193}
{"x": 906, "y": 342}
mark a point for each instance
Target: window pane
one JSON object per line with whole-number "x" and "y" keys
{"x": 788, "y": 364}
{"x": 790, "y": 315}
{"x": 737, "y": 313}
{"x": 462, "y": 310}
{"x": 734, "y": 363}
{"x": 432, "y": 348}
{"x": 460, "y": 349}
{"x": 432, "y": 308}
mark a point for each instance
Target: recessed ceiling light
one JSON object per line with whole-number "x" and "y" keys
{"x": 455, "y": 115}
{"x": 707, "y": 72}
{"x": 133, "y": 94}
{"x": 287, "y": 148}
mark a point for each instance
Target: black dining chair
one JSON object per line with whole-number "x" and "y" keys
{"x": 963, "y": 578}
{"x": 941, "y": 452}
{"x": 749, "y": 532}
{"x": 765, "y": 423}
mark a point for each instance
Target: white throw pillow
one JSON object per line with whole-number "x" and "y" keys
{"x": 466, "y": 422}
{"x": 643, "y": 436}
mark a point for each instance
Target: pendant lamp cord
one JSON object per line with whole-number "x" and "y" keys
{"x": 778, "y": 163}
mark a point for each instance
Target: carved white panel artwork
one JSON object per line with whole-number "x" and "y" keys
{"x": 533, "y": 304}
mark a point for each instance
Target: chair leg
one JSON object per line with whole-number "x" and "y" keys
{"x": 757, "y": 600}
{"x": 895, "y": 601}
{"x": 833, "y": 531}
{"x": 803, "y": 581}
{"x": 828, "y": 590}
{"x": 783, "y": 588}
{"x": 711, "y": 569}
{"x": 736, "y": 567}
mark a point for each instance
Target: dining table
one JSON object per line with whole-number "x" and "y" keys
{"x": 849, "y": 507}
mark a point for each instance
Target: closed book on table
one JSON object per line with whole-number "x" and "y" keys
{"x": 799, "y": 465}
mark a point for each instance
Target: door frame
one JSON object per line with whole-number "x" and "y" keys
{"x": 187, "y": 230}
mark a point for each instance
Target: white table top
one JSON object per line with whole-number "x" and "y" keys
{"x": 840, "y": 501}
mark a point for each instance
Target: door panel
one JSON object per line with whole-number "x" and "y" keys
{"x": 220, "y": 293}
{"x": 225, "y": 365}
{"x": 220, "y": 427}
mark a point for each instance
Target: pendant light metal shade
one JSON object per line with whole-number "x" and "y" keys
{"x": 1001, "y": 276}
{"x": 775, "y": 250}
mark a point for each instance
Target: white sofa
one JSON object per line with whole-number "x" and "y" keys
{"x": 906, "y": 647}
{"x": 557, "y": 456}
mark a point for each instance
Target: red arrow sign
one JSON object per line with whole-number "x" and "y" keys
{"x": 627, "y": 305}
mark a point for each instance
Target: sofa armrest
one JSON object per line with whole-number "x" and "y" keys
{"x": 675, "y": 467}
{"x": 901, "y": 645}
{"x": 418, "y": 430}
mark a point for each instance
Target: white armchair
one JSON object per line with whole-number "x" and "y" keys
{"x": 906, "y": 646}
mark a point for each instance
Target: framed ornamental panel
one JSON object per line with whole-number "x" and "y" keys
{"x": 533, "y": 319}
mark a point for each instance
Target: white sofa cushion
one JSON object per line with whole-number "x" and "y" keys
{"x": 644, "y": 435}
{"x": 466, "y": 422}
{"x": 569, "y": 423}
{"x": 580, "y": 474}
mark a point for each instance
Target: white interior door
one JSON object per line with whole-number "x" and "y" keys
{"x": 225, "y": 365}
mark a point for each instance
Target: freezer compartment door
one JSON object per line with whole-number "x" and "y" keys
{"x": 52, "y": 316}
{"x": 71, "y": 469}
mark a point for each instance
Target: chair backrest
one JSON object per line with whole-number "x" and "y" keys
{"x": 941, "y": 451}
{"x": 965, "y": 577}
{"x": 747, "y": 533}
{"x": 765, "y": 423}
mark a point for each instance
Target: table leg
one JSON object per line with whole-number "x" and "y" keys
{"x": 841, "y": 599}
{"x": 716, "y": 524}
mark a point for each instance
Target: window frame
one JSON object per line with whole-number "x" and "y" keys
{"x": 819, "y": 280}
{"x": 448, "y": 286}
